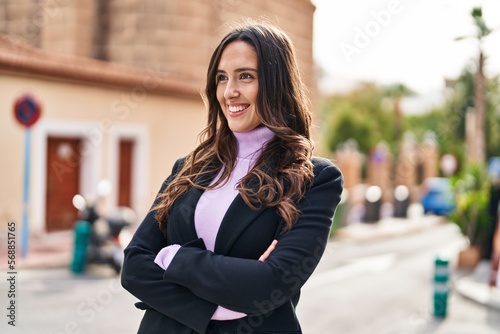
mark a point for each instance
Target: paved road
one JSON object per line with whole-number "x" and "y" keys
{"x": 386, "y": 287}
{"x": 53, "y": 301}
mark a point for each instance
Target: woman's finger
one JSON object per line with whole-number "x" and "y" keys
{"x": 268, "y": 251}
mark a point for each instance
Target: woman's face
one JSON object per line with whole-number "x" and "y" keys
{"x": 237, "y": 86}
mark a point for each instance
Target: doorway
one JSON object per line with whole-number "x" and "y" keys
{"x": 63, "y": 182}
{"x": 125, "y": 172}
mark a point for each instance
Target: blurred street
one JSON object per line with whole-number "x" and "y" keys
{"x": 378, "y": 284}
{"x": 110, "y": 92}
{"x": 54, "y": 301}
{"x": 385, "y": 286}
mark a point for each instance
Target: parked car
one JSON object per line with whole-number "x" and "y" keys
{"x": 437, "y": 196}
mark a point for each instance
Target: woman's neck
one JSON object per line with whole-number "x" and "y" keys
{"x": 252, "y": 141}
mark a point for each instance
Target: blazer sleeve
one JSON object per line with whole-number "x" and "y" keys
{"x": 250, "y": 286}
{"x": 144, "y": 279}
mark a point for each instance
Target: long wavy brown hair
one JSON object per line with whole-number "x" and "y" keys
{"x": 284, "y": 170}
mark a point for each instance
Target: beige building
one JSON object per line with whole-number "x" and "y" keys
{"x": 119, "y": 86}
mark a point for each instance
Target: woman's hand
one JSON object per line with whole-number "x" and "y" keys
{"x": 268, "y": 251}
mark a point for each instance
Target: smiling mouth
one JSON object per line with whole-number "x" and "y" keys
{"x": 237, "y": 109}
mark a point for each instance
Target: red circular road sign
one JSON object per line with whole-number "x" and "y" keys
{"x": 27, "y": 110}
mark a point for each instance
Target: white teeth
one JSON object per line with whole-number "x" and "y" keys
{"x": 236, "y": 108}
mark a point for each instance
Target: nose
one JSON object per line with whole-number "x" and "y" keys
{"x": 231, "y": 90}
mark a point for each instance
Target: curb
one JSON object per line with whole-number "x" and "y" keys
{"x": 56, "y": 260}
{"x": 475, "y": 287}
{"x": 479, "y": 292}
{"x": 386, "y": 228}
{"x": 53, "y": 250}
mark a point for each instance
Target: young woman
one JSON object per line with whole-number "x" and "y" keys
{"x": 242, "y": 221}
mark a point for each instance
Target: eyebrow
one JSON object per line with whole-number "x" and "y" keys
{"x": 241, "y": 69}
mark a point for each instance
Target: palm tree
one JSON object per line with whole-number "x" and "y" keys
{"x": 396, "y": 92}
{"x": 476, "y": 140}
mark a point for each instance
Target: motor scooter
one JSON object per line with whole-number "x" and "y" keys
{"x": 108, "y": 234}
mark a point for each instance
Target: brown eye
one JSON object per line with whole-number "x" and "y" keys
{"x": 246, "y": 76}
{"x": 220, "y": 77}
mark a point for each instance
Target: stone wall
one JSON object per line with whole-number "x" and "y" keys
{"x": 175, "y": 36}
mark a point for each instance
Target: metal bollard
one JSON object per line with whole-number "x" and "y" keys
{"x": 82, "y": 234}
{"x": 441, "y": 276}
{"x": 373, "y": 202}
{"x": 401, "y": 201}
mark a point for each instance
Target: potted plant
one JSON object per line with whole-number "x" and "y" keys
{"x": 471, "y": 213}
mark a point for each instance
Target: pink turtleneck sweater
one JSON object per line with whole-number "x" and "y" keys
{"x": 213, "y": 203}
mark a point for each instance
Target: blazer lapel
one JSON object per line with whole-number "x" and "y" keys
{"x": 181, "y": 227}
{"x": 183, "y": 215}
{"x": 237, "y": 218}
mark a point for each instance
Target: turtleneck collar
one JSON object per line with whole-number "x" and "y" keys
{"x": 252, "y": 141}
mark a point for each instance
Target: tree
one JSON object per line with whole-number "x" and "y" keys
{"x": 350, "y": 125}
{"x": 360, "y": 115}
{"x": 476, "y": 141}
{"x": 448, "y": 121}
{"x": 396, "y": 92}
{"x": 493, "y": 117}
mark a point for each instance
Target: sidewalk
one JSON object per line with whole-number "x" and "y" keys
{"x": 474, "y": 286}
{"x": 52, "y": 250}
{"x": 471, "y": 285}
{"x": 387, "y": 228}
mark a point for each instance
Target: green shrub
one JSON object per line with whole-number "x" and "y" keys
{"x": 472, "y": 198}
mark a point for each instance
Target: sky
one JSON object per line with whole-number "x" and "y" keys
{"x": 400, "y": 41}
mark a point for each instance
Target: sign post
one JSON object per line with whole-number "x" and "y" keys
{"x": 27, "y": 111}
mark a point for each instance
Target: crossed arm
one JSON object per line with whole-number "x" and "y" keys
{"x": 166, "y": 255}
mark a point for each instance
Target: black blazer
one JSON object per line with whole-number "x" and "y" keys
{"x": 183, "y": 298}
